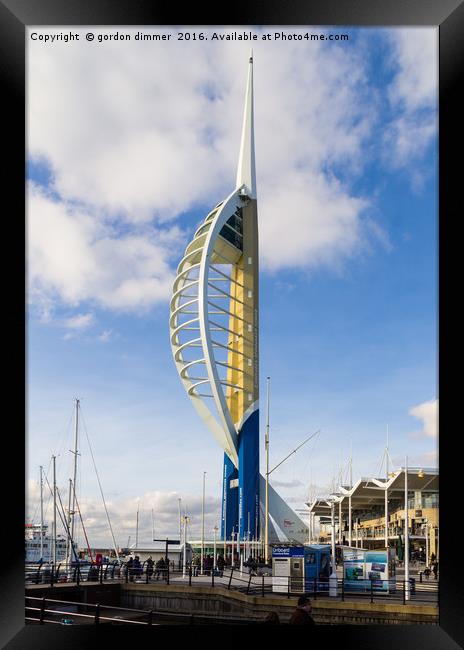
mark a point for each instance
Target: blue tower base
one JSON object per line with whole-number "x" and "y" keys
{"x": 248, "y": 477}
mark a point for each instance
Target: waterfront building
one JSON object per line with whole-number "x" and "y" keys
{"x": 360, "y": 513}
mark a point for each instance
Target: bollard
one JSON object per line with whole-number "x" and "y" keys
{"x": 420, "y": 576}
{"x": 78, "y": 575}
{"x": 52, "y": 575}
{"x": 190, "y": 576}
{"x": 288, "y": 587}
{"x": 101, "y": 574}
{"x": 167, "y": 574}
{"x": 97, "y": 614}
{"x": 212, "y": 577}
{"x": 372, "y": 591}
{"x": 150, "y": 617}
{"x": 262, "y": 586}
{"x": 343, "y": 589}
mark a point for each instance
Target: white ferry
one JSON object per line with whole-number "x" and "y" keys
{"x": 33, "y": 534}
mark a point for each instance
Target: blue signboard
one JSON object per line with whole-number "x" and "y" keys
{"x": 288, "y": 551}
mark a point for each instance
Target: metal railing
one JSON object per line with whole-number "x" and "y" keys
{"x": 420, "y": 588}
{"x": 41, "y": 611}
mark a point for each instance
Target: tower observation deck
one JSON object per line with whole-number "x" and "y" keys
{"x": 214, "y": 331}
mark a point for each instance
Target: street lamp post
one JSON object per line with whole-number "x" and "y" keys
{"x": 266, "y": 520}
{"x": 203, "y": 525}
{"x": 215, "y": 530}
{"x": 333, "y": 575}
{"x": 186, "y": 520}
{"x": 406, "y": 532}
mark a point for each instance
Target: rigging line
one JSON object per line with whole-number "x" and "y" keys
{"x": 101, "y": 489}
{"x": 82, "y": 522}
{"x": 66, "y": 527}
{"x": 62, "y": 516}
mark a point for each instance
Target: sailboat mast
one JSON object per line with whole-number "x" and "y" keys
{"x": 54, "y": 509}
{"x": 68, "y": 538}
{"x": 41, "y": 514}
{"x": 75, "y": 475}
{"x": 137, "y": 527}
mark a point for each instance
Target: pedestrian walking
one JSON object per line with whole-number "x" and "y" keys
{"x": 129, "y": 568}
{"x": 220, "y": 565}
{"x": 149, "y": 567}
{"x": 302, "y": 614}
{"x": 196, "y": 565}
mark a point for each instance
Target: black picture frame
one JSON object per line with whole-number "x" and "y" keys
{"x": 15, "y": 15}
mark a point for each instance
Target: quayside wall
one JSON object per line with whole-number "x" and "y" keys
{"x": 219, "y": 601}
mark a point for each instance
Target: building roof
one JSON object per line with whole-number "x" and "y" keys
{"x": 369, "y": 492}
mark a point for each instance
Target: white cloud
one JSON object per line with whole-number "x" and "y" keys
{"x": 105, "y": 336}
{"x": 413, "y": 93}
{"x": 428, "y": 413}
{"x": 136, "y": 136}
{"x": 123, "y": 515}
{"x": 75, "y": 257}
{"x": 80, "y": 321}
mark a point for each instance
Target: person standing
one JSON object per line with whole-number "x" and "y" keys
{"x": 220, "y": 565}
{"x": 302, "y": 614}
{"x": 149, "y": 567}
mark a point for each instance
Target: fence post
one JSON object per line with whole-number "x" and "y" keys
{"x": 167, "y": 574}
{"x": 150, "y": 617}
{"x": 147, "y": 576}
{"x": 127, "y": 574}
{"x": 420, "y": 576}
{"x": 42, "y": 612}
{"x": 262, "y": 585}
{"x": 97, "y": 614}
{"x": 404, "y": 592}
{"x": 343, "y": 589}
{"x": 190, "y": 576}
{"x": 52, "y": 575}
{"x": 288, "y": 587}
{"x": 248, "y": 586}
{"x": 212, "y": 576}
{"x": 101, "y": 573}
{"x": 78, "y": 574}
{"x": 315, "y": 588}
{"x": 372, "y": 591}
{"x": 231, "y": 574}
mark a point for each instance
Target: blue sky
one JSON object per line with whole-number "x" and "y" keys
{"x": 129, "y": 147}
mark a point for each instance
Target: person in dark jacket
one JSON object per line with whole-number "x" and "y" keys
{"x": 149, "y": 567}
{"x": 302, "y": 614}
{"x": 220, "y": 564}
{"x": 130, "y": 568}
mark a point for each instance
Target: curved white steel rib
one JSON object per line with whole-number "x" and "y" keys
{"x": 196, "y": 340}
